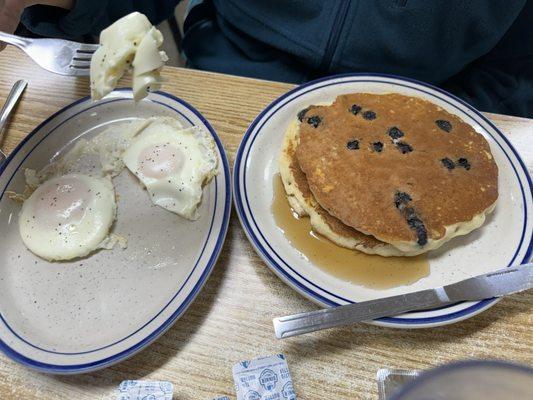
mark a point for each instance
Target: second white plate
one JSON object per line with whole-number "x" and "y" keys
{"x": 504, "y": 240}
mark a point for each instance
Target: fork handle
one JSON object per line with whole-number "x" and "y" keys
{"x": 13, "y": 39}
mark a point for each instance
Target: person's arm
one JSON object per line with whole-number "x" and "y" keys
{"x": 89, "y": 17}
{"x": 11, "y": 11}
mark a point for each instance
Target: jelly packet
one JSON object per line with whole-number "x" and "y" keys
{"x": 266, "y": 378}
{"x": 145, "y": 390}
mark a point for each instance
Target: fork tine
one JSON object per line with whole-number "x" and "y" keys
{"x": 87, "y": 48}
{"x": 82, "y": 57}
{"x": 83, "y": 54}
{"x": 79, "y": 72}
{"x": 78, "y": 63}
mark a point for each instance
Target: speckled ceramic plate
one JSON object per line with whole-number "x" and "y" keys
{"x": 504, "y": 240}
{"x": 86, "y": 314}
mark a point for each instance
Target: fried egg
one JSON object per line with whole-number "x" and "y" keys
{"x": 68, "y": 216}
{"x": 147, "y": 63}
{"x": 131, "y": 40}
{"x": 173, "y": 164}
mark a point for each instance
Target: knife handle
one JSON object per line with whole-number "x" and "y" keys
{"x": 298, "y": 324}
{"x": 9, "y": 105}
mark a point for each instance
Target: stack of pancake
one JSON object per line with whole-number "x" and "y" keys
{"x": 387, "y": 174}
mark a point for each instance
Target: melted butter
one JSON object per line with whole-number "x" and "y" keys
{"x": 372, "y": 271}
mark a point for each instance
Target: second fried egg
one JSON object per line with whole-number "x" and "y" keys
{"x": 173, "y": 164}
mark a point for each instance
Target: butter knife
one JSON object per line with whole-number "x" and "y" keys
{"x": 495, "y": 284}
{"x": 11, "y": 101}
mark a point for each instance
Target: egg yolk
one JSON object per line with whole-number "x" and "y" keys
{"x": 63, "y": 203}
{"x": 160, "y": 161}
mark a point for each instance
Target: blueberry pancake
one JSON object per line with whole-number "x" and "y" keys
{"x": 304, "y": 204}
{"x": 398, "y": 168}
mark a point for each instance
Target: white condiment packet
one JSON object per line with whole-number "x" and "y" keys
{"x": 266, "y": 378}
{"x": 145, "y": 390}
{"x": 390, "y": 380}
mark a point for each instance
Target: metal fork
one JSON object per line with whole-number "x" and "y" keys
{"x": 59, "y": 56}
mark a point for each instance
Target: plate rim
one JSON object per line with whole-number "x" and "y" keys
{"x": 475, "y": 308}
{"x": 181, "y": 308}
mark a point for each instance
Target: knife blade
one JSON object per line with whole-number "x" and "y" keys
{"x": 495, "y": 284}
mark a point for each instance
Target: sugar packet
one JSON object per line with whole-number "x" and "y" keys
{"x": 266, "y": 378}
{"x": 145, "y": 390}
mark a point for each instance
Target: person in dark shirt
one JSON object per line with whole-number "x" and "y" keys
{"x": 479, "y": 50}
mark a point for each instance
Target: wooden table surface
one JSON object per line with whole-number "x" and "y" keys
{"x": 231, "y": 318}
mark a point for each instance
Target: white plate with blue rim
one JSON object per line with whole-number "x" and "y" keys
{"x": 86, "y": 314}
{"x": 505, "y": 240}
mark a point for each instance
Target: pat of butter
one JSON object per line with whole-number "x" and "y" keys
{"x": 130, "y": 41}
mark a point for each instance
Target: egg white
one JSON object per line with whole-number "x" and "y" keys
{"x": 130, "y": 41}
{"x": 147, "y": 63}
{"x": 68, "y": 216}
{"x": 173, "y": 164}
